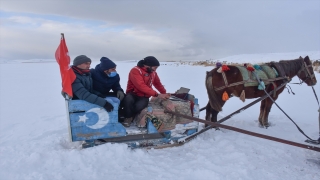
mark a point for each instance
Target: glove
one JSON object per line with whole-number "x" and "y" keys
{"x": 108, "y": 107}
{"x": 120, "y": 95}
{"x": 164, "y": 96}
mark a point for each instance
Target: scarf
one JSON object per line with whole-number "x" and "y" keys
{"x": 81, "y": 71}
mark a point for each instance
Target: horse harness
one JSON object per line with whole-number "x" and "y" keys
{"x": 279, "y": 69}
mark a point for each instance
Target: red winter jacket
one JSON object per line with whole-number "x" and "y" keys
{"x": 140, "y": 82}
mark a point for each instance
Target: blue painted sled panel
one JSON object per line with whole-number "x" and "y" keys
{"x": 89, "y": 121}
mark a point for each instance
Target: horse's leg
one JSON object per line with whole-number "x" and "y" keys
{"x": 267, "y": 108}
{"x": 214, "y": 117}
{"x": 211, "y": 114}
{"x": 262, "y": 111}
{"x": 208, "y": 113}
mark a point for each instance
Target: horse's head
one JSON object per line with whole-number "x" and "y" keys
{"x": 306, "y": 73}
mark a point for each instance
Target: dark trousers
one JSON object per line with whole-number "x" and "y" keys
{"x": 121, "y": 107}
{"x": 133, "y": 104}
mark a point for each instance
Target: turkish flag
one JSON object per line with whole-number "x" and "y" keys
{"x": 67, "y": 74}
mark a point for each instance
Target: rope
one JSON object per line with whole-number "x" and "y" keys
{"x": 225, "y": 79}
{"x": 250, "y": 104}
{"x": 290, "y": 90}
{"x": 314, "y": 92}
{"x": 313, "y": 148}
{"x": 242, "y": 82}
{"x": 283, "y": 111}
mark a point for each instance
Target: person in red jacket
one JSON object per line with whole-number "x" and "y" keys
{"x": 139, "y": 88}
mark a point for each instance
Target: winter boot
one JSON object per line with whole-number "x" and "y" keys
{"x": 127, "y": 122}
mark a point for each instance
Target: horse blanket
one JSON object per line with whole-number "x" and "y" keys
{"x": 266, "y": 72}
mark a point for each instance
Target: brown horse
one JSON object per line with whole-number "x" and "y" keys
{"x": 232, "y": 83}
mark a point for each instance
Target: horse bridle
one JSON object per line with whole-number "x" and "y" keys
{"x": 305, "y": 69}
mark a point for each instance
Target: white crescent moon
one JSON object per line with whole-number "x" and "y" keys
{"x": 103, "y": 118}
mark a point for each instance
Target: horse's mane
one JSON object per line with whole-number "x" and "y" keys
{"x": 291, "y": 67}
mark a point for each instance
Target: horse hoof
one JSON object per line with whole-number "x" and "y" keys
{"x": 260, "y": 124}
{"x": 266, "y": 125}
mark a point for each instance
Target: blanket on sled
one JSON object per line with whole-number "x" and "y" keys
{"x": 165, "y": 121}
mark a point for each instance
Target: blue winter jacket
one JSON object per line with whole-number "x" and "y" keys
{"x": 103, "y": 83}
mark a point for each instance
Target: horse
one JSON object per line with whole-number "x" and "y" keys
{"x": 232, "y": 83}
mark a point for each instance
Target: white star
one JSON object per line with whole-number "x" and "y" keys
{"x": 83, "y": 118}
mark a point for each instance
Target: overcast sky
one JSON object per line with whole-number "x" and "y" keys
{"x": 168, "y": 30}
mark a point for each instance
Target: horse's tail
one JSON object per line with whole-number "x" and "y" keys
{"x": 213, "y": 97}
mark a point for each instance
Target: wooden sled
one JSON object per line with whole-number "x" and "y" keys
{"x": 94, "y": 126}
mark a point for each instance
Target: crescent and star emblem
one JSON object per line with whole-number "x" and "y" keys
{"x": 103, "y": 118}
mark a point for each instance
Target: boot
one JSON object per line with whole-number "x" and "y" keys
{"x": 127, "y": 122}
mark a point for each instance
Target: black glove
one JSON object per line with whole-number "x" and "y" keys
{"x": 120, "y": 95}
{"x": 108, "y": 107}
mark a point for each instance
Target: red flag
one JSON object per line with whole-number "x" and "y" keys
{"x": 67, "y": 74}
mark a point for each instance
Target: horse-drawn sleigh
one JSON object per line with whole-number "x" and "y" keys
{"x": 232, "y": 82}
{"x": 93, "y": 125}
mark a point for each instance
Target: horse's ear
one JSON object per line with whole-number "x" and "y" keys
{"x": 307, "y": 58}
{"x": 300, "y": 57}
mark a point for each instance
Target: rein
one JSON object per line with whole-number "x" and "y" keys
{"x": 314, "y": 92}
{"x": 318, "y": 111}
{"x": 282, "y": 110}
{"x": 305, "y": 68}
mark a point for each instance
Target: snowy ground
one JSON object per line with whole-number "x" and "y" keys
{"x": 34, "y": 135}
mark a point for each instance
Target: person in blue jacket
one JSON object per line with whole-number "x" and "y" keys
{"x": 82, "y": 85}
{"x": 105, "y": 78}
{"x": 106, "y": 82}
